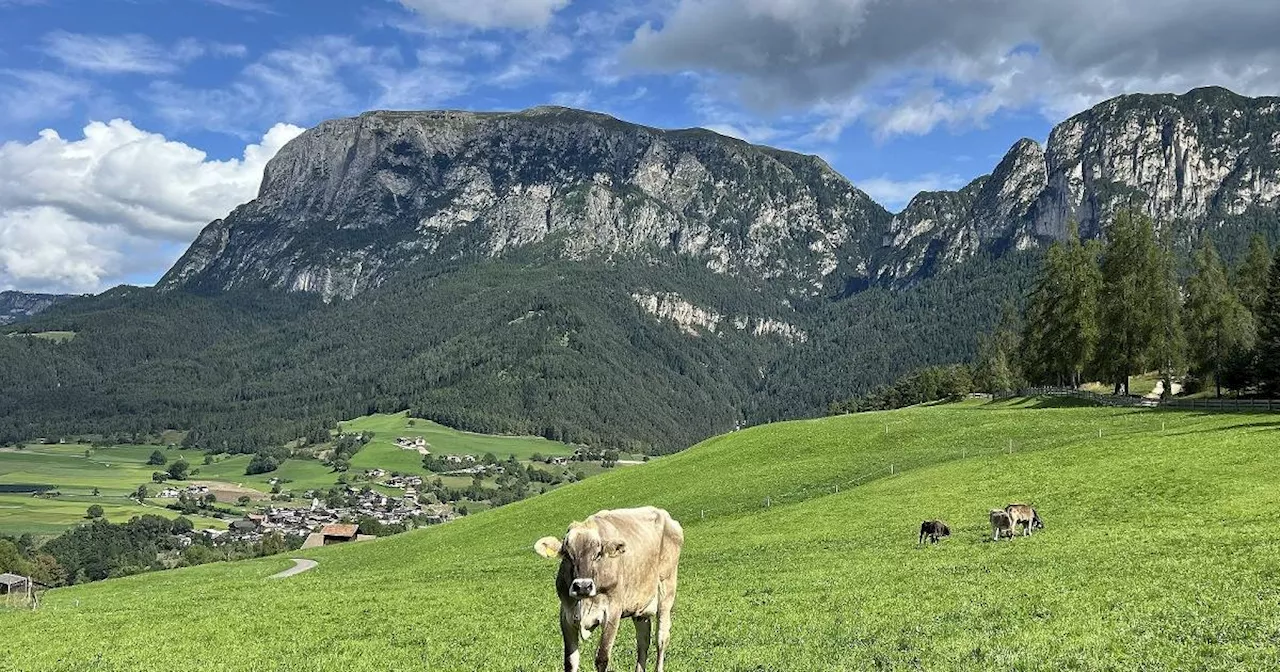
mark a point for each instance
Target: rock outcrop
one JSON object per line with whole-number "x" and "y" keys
{"x": 347, "y": 203}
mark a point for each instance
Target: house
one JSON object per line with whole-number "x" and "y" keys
{"x": 12, "y": 584}
{"x": 243, "y": 526}
{"x": 338, "y": 533}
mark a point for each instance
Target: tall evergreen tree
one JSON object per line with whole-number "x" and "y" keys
{"x": 1253, "y": 274}
{"x": 1220, "y": 325}
{"x": 1127, "y": 302}
{"x": 997, "y": 370}
{"x": 1062, "y": 330}
{"x": 1169, "y": 343}
{"x": 1269, "y": 334}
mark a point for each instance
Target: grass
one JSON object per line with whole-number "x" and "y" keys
{"x": 1159, "y": 553}
{"x": 442, "y": 441}
{"x": 116, "y": 471}
{"x": 55, "y": 336}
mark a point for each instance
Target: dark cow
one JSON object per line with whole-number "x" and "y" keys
{"x": 614, "y": 565}
{"x": 933, "y": 530}
{"x": 1001, "y": 524}
{"x": 1026, "y": 516}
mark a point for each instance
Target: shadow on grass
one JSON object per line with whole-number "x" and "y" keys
{"x": 1044, "y": 402}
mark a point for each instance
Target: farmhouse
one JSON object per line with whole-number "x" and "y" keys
{"x": 12, "y": 584}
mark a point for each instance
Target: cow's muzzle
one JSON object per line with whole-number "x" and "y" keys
{"x": 582, "y": 588}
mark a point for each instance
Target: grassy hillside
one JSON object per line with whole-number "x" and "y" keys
{"x": 1159, "y": 553}
{"x": 116, "y": 471}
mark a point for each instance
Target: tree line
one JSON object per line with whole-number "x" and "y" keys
{"x": 1111, "y": 310}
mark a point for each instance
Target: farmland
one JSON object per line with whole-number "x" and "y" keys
{"x": 75, "y": 470}
{"x": 1159, "y": 553}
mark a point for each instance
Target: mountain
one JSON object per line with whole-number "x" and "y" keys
{"x": 18, "y": 306}
{"x": 568, "y": 274}
{"x": 348, "y": 203}
{"x": 1206, "y": 161}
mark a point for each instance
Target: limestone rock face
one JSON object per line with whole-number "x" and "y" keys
{"x": 18, "y": 306}
{"x": 351, "y": 202}
{"x": 346, "y": 204}
{"x": 1192, "y": 162}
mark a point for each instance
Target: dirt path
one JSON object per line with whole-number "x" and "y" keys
{"x": 299, "y": 566}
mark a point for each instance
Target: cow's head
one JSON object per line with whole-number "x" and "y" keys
{"x": 588, "y": 559}
{"x": 1036, "y": 522}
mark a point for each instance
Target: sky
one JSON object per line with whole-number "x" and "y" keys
{"x": 126, "y": 126}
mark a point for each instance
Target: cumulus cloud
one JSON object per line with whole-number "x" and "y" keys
{"x": 73, "y": 210}
{"x": 918, "y": 64}
{"x": 895, "y": 194}
{"x": 489, "y": 14}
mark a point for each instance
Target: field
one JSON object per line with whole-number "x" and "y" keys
{"x": 1159, "y": 553}
{"x": 116, "y": 471}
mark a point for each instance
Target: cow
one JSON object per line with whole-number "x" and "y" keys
{"x": 1026, "y": 516}
{"x": 1001, "y": 524}
{"x": 933, "y": 530}
{"x": 616, "y": 564}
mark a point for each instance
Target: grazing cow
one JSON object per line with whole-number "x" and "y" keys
{"x": 933, "y": 530}
{"x": 614, "y": 565}
{"x": 1026, "y": 516}
{"x": 1001, "y": 524}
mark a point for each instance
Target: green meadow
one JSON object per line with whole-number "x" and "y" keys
{"x": 117, "y": 471}
{"x": 1159, "y": 553}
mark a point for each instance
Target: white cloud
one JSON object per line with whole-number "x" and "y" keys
{"x": 579, "y": 99}
{"x": 895, "y": 194}
{"x": 110, "y": 54}
{"x": 72, "y": 211}
{"x": 136, "y": 54}
{"x": 489, "y": 14}
{"x": 245, "y": 6}
{"x": 966, "y": 62}
{"x": 35, "y": 94}
{"x": 323, "y": 77}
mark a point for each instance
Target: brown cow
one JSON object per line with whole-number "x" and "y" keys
{"x": 1026, "y": 516}
{"x": 933, "y": 530}
{"x": 614, "y": 565}
{"x": 1001, "y": 524}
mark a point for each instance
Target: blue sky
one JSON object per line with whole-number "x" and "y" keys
{"x": 125, "y": 126}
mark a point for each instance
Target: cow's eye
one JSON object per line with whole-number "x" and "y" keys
{"x": 599, "y": 554}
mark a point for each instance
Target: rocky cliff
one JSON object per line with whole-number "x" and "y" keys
{"x": 18, "y": 306}
{"x": 1193, "y": 162}
{"x": 347, "y": 203}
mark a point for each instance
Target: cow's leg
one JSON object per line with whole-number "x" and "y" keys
{"x": 608, "y": 630}
{"x": 666, "y": 603}
{"x": 644, "y": 632}
{"x": 569, "y": 631}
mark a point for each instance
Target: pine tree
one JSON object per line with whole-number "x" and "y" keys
{"x": 1169, "y": 343}
{"x": 997, "y": 370}
{"x": 1253, "y": 274}
{"x": 1126, "y": 303}
{"x": 1220, "y": 326}
{"x": 1062, "y": 330}
{"x": 1269, "y": 334}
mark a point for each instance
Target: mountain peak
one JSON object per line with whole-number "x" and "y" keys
{"x": 345, "y": 205}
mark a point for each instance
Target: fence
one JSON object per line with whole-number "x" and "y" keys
{"x": 989, "y": 447}
{"x": 1114, "y": 400}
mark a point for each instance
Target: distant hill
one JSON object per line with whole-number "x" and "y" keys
{"x": 567, "y": 274}
{"x": 18, "y": 306}
{"x": 1093, "y": 590}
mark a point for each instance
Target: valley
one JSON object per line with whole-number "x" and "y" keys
{"x": 1091, "y": 590}
{"x": 74, "y": 476}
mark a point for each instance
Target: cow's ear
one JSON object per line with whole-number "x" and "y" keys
{"x": 615, "y": 548}
{"x": 547, "y": 547}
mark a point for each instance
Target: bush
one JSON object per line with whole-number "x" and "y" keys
{"x": 178, "y": 470}
{"x": 261, "y": 464}
{"x": 157, "y": 458}
{"x": 94, "y": 511}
